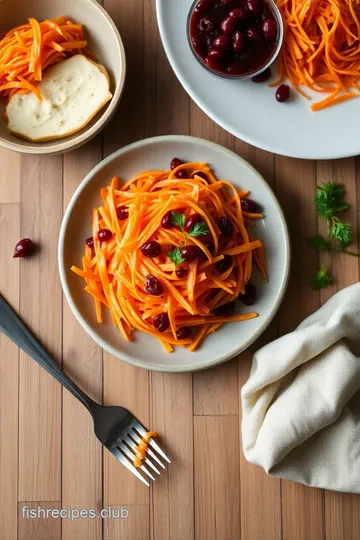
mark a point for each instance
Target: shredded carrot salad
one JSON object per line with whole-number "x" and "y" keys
{"x": 172, "y": 299}
{"x": 28, "y": 50}
{"x": 142, "y": 448}
{"x": 321, "y": 49}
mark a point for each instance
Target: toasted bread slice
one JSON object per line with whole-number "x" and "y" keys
{"x": 73, "y": 91}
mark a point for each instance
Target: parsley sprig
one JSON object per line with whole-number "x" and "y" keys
{"x": 176, "y": 257}
{"x": 199, "y": 229}
{"x": 330, "y": 205}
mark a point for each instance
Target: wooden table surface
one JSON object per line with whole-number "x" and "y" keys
{"x": 48, "y": 453}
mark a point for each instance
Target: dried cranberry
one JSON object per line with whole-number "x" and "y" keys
{"x": 263, "y": 76}
{"x": 104, "y": 235}
{"x": 153, "y": 285}
{"x": 269, "y": 28}
{"x": 226, "y": 227}
{"x": 90, "y": 242}
{"x": 238, "y": 13}
{"x": 176, "y": 162}
{"x": 226, "y": 309}
{"x": 202, "y": 175}
{"x": 249, "y": 206}
{"x": 190, "y": 253}
{"x": 210, "y": 246}
{"x": 166, "y": 221}
{"x": 224, "y": 265}
{"x": 249, "y": 298}
{"x": 151, "y": 249}
{"x": 283, "y": 93}
{"x": 161, "y": 322}
{"x": 180, "y": 272}
{"x": 23, "y": 248}
{"x": 171, "y": 248}
{"x": 184, "y": 332}
{"x": 122, "y": 213}
{"x": 182, "y": 174}
{"x": 191, "y": 221}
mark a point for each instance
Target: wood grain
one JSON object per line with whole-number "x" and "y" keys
{"x": 42, "y": 528}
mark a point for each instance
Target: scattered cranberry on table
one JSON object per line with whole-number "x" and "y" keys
{"x": 153, "y": 285}
{"x": 24, "y": 248}
{"x": 151, "y": 249}
{"x": 283, "y": 93}
{"x": 122, "y": 213}
{"x": 90, "y": 242}
{"x": 190, "y": 253}
{"x": 184, "y": 332}
{"x": 226, "y": 227}
{"x": 161, "y": 322}
{"x": 225, "y": 263}
{"x": 104, "y": 235}
{"x": 249, "y": 298}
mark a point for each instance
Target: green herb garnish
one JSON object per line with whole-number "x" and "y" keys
{"x": 199, "y": 229}
{"x": 178, "y": 219}
{"x": 176, "y": 257}
{"x": 330, "y": 204}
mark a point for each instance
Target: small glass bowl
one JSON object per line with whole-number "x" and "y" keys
{"x": 279, "y": 41}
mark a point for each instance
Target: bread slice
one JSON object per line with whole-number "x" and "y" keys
{"x": 73, "y": 91}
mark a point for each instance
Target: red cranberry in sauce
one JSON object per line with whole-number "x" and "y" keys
{"x": 216, "y": 54}
{"x": 182, "y": 174}
{"x": 222, "y": 42}
{"x": 190, "y": 253}
{"x": 161, "y": 322}
{"x": 254, "y": 34}
{"x": 262, "y": 77}
{"x": 153, "y": 285}
{"x": 283, "y": 93}
{"x": 249, "y": 298}
{"x": 166, "y": 221}
{"x": 226, "y": 309}
{"x": 269, "y": 28}
{"x": 226, "y": 227}
{"x": 203, "y": 6}
{"x": 151, "y": 249}
{"x": 210, "y": 246}
{"x": 122, "y": 213}
{"x": 180, "y": 272}
{"x": 224, "y": 2}
{"x": 90, "y": 242}
{"x": 184, "y": 332}
{"x": 228, "y": 25}
{"x": 207, "y": 25}
{"x": 249, "y": 206}
{"x": 254, "y": 6}
{"x": 191, "y": 221}
{"x": 224, "y": 265}
{"x": 104, "y": 235}
{"x": 176, "y": 162}
{"x": 23, "y": 248}
{"x": 239, "y": 13}
{"x": 238, "y": 42}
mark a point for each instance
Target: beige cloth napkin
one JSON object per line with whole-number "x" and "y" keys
{"x": 301, "y": 404}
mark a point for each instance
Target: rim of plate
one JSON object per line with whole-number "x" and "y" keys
{"x": 198, "y": 100}
{"x": 94, "y": 335}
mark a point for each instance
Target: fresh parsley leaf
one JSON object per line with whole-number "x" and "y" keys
{"x": 178, "y": 219}
{"x": 199, "y": 229}
{"x": 329, "y": 200}
{"x": 176, "y": 257}
{"x": 318, "y": 242}
{"x": 321, "y": 279}
{"x": 341, "y": 232}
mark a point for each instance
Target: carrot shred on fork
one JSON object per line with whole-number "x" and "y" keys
{"x": 321, "y": 50}
{"x": 115, "y": 270}
{"x": 28, "y": 50}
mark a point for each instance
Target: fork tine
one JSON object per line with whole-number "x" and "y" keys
{"x": 133, "y": 445}
{"x": 120, "y": 457}
{"x": 131, "y": 456}
{"x": 152, "y": 443}
{"x": 149, "y": 451}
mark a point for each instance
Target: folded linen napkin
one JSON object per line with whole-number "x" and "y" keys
{"x": 301, "y": 404}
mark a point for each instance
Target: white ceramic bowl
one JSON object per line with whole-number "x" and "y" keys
{"x": 145, "y": 351}
{"x": 103, "y": 39}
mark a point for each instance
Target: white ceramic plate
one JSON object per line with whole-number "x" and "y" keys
{"x": 145, "y": 351}
{"x": 249, "y": 111}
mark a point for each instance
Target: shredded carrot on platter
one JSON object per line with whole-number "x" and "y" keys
{"x": 164, "y": 292}
{"x": 321, "y": 50}
{"x": 28, "y": 50}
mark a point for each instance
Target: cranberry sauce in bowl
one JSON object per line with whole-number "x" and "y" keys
{"x": 235, "y": 38}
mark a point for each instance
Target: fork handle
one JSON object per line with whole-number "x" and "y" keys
{"x": 13, "y": 327}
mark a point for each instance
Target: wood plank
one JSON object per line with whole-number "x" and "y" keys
{"x": 295, "y": 187}
{"x": 342, "y": 511}
{"x": 82, "y": 360}
{"x": 172, "y": 496}
{"x": 46, "y": 527}
{"x": 216, "y": 390}
{"x": 217, "y": 486}
{"x": 9, "y": 176}
{"x": 9, "y": 373}
{"x": 40, "y": 307}
{"x": 134, "y": 527}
